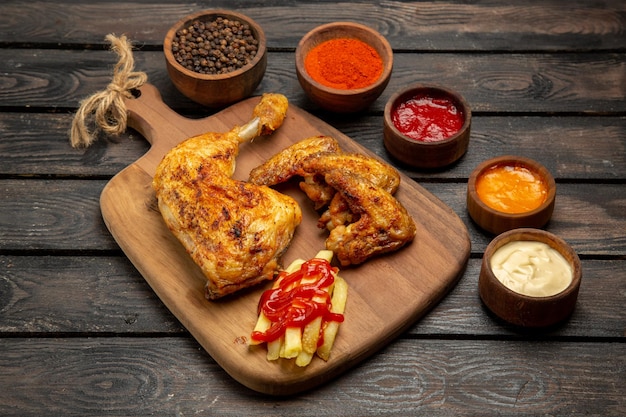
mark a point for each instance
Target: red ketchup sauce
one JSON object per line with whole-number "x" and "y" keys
{"x": 292, "y": 304}
{"x": 427, "y": 118}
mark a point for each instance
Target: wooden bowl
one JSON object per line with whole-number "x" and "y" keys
{"x": 216, "y": 90}
{"x": 336, "y": 99}
{"x": 524, "y": 310}
{"x": 497, "y": 221}
{"x": 425, "y": 152}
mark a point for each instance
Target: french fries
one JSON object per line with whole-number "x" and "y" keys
{"x": 303, "y": 342}
{"x": 340, "y": 295}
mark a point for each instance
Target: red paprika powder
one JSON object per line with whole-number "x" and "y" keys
{"x": 344, "y": 63}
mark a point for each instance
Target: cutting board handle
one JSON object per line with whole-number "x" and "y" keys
{"x": 158, "y": 123}
{"x": 148, "y": 114}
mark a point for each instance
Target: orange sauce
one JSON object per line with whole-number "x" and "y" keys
{"x": 511, "y": 188}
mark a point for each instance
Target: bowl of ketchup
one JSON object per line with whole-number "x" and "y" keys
{"x": 510, "y": 192}
{"x": 427, "y": 126}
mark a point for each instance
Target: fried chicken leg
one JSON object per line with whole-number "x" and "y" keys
{"x": 235, "y": 231}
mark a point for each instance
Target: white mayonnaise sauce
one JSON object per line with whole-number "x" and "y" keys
{"x": 531, "y": 268}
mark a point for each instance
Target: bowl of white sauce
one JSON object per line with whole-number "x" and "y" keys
{"x": 530, "y": 278}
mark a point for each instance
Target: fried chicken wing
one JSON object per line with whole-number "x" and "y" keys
{"x": 311, "y": 158}
{"x": 235, "y": 231}
{"x": 383, "y": 224}
{"x": 378, "y": 173}
{"x": 370, "y": 169}
{"x": 285, "y": 164}
{"x": 363, "y": 216}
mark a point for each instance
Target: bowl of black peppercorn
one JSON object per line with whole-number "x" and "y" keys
{"x": 215, "y": 57}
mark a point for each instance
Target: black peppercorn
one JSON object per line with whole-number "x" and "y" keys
{"x": 214, "y": 47}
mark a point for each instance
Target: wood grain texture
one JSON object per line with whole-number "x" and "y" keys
{"x": 126, "y": 376}
{"x": 425, "y": 26}
{"x": 82, "y": 333}
{"x": 64, "y": 216}
{"x": 590, "y": 83}
{"x": 38, "y": 146}
{"x": 415, "y": 278}
{"x": 106, "y": 294}
{"x": 582, "y": 214}
{"x": 109, "y": 296}
{"x": 53, "y": 215}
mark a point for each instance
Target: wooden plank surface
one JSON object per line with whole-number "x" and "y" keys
{"x": 544, "y": 80}
{"x": 590, "y": 83}
{"x": 109, "y": 296}
{"x": 38, "y": 146}
{"x": 64, "y": 216}
{"x": 423, "y": 26}
{"x": 432, "y": 377}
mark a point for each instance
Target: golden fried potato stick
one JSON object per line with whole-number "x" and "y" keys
{"x": 302, "y": 344}
{"x": 339, "y": 297}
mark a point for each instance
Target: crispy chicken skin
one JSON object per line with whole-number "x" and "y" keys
{"x": 235, "y": 231}
{"x": 285, "y": 164}
{"x": 383, "y": 224}
{"x": 370, "y": 169}
{"x": 270, "y": 112}
{"x": 311, "y": 158}
{"x": 378, "y": 173}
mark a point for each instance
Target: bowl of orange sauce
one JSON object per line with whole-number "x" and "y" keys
{"x": 510, "y": 192}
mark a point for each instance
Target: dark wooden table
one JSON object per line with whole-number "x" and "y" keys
{"x": 81, "y": 333}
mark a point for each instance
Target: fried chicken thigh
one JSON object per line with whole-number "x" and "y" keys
{"x": 235, "y": 231}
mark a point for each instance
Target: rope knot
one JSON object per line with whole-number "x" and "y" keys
{"x": 107, "y": 106}
{"x": 117, "y": 89}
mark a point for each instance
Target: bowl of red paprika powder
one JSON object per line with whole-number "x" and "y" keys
{"x": 427, "y": 126}
{"x": 343, "y": 66}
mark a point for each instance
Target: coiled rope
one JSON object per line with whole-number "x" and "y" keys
{"x": 106, "y": 108}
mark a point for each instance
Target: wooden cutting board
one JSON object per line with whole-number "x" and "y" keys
{"x": 386, "y": 294}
